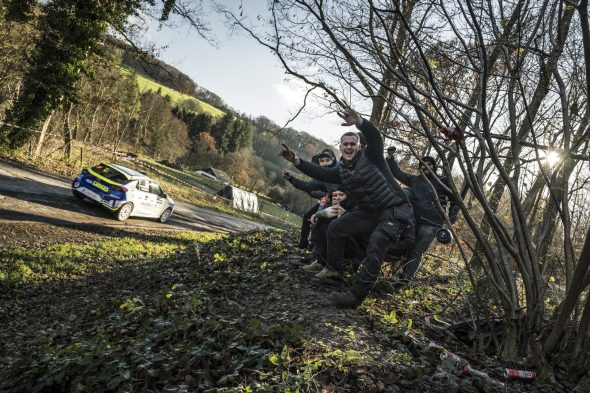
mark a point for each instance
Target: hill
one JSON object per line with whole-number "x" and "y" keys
{"x": 180, "y": 99}
{"x": 261, "y": 171}
{"x": 146, "y": 64}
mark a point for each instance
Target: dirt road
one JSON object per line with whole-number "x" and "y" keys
{"x": 37, "y": 207}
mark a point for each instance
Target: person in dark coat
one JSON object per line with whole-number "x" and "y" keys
{"x": 316, "y": 189}
{"x": 383, "y": 211}
{"x": 426, "y": 188}
{"x": 319, "y": 230}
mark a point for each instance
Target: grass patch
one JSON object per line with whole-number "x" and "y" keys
{"x": 226, "y": 314}
{"x": 147, "y": 84}
{"x": 71, "y": 260}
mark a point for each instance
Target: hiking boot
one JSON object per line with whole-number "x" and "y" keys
{"x": 327, "y": 278}
{"x": 325, "y": 272}
{"x": 344, "y": 299}
{"x": 314, "y": 266}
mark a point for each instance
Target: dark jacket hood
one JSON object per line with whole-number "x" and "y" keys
{"x": 328, "y": 153}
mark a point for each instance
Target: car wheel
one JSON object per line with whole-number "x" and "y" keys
{"x": 78, "y": 194}
{"x": 124, "y": 211}
{"x": 165, "y": 215}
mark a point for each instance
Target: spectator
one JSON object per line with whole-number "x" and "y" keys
{"x": 319, "y": 230}
{"x": 429, "y": 218}
{"x": 315, "y": 189}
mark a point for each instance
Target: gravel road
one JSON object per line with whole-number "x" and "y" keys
{"x": 34, "y": 206}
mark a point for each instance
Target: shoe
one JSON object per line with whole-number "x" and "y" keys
{"x": 312, "y": 266}
{"x": 325, "y": 272}
{"x": 345, "y": 300}
{"x": 328, "y": 279}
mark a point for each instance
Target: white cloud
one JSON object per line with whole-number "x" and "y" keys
{"x": 291, "y": 92}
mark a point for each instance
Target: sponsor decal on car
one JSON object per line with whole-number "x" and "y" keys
{"x": 97, "y": 184}
{"x": 90, "y": 194}
{"x": 100, "y": 186}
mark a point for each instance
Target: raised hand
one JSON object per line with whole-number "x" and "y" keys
{"x": 391, "y": 151}
{"x": 350, "y": 117}
{"x": 286, "y": 175}
{"x": 287, "y": 153}
{"x": 339, "y": 210}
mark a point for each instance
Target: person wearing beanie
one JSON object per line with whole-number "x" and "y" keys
{"x": 429, "y": 219}
{"x": 316, "y": 189}
{"x": 319, "y": 231}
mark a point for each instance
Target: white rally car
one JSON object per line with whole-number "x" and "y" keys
{"x": 125, "y": 192}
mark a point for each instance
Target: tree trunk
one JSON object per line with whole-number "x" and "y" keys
{"x": 571, "y": 299}
{"x": 42, "y": 135}
{"x": 68, "y": 131}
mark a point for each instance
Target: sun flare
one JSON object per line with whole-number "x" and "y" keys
{"x": 553, "y": 158}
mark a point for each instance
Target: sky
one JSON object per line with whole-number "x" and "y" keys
{"x": 246, "y": 75}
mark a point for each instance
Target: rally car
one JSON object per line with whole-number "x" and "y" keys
{"x": 123, "y": 191}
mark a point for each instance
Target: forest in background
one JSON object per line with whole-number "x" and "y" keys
{"x": 107, "y": 109}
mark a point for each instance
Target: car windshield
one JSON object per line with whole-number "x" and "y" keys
{"x": 110, "y": 173}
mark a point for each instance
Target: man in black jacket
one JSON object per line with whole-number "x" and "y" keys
{"x": 316, "y": 189}
{"x": 429, "y": 218}
{"x": 319, "y": 231}
{"x": 383, "y": 210}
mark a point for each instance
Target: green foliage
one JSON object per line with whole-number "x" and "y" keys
{"x": 72, "y": 30}
{"x": 169, "y": 328}
{"x": 176, "y": 319}
{"x": 71, "y": 260}
{"x": 168, "y": 5}
{"x": 197, "y": 123}
{"x": 19, "y": 10}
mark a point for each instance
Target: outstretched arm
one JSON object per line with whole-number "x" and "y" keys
{"x": 313, "y": 188}
{"x": 328, "y": 175}
{"x": 400, "y": 175}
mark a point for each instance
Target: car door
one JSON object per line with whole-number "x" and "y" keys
{"x": 159, "y": 199}
{"x": 142, "y": 198}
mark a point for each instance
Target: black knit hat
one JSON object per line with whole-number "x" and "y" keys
{"x": 328, "y": 153}
{"x": 431, "y": 161}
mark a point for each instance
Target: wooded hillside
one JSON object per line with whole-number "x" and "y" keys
{"x": 113, "y": 106}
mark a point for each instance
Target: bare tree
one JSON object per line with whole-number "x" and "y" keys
{"x": 504, "y": 75}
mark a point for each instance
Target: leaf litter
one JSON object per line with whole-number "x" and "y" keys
{"x": 222, "y": 313}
